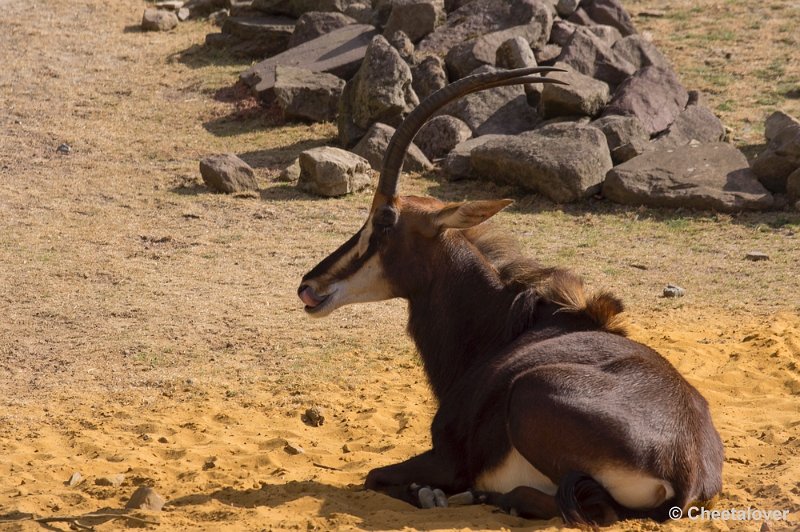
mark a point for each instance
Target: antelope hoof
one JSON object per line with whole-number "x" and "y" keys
{"x": 465, "y": 498}
{"x": 430, "y": 498}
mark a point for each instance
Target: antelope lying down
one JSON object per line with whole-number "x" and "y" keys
{"x": 545, "y": 407}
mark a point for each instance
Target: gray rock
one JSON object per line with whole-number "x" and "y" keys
{"x": 565, "y": 8}
{"x": 639, "y": 52}
{"x": 145, "y": 498}
{"x": 183, "y": 14}
{"x": 653, "y": 95}
{"x": 708, "y": 176}
{"x": 673, "y": 290}
{"x": 428, "y": 76}
{"x": 779, "y": 159}
{"x": 264, "y": 36}
{"x": 316, "y": 23}
{"x": 793, "y": 185}
{"x": 590, "y": 55}
{"x": 295, "y": 8}
{"x": 217, "y": 18}
{"x": 471, "y": 20}
{"x": 756, "y": 256}
{"x": 776, "y": 122}
{"x": 339, "y": 52}
{"x": 400, "y": 41}
{"x": 373, "y": 145}
{"x": 203, "y": 8}
{"x": 625, "y": 135}
{"x": 516, "y": 52}
{"x": 313, "y": 417}
{"x": 608, "y": 34}
{"x": 515, "y": 116}
{"x": 379, "y": 92}
{"x": 306, "y": 95}
{"x": 547, "y": 54}
{"x": 440, "y": 135}
{"x": 582, "y": 96}
{"x": 564, "y": 162}
{"x": 457, "y": 165}
{"x": 74, "y": 479}
{"x": 610, "y": 13}
{"x": 293, "y": 449}
{"x": 291, "y": 173}
{"x": 695, "y": 123}
{"x": 328, "y": 171}
{"x": 227, "y": 173}
{"x": 158, "y": 20}
{"x": 169, "y": 5}
{"x": 415, "y": 18}
{"x": 561, "y": 32}
{"x": 111, "y": 480}
{"x": 361, "y": 12}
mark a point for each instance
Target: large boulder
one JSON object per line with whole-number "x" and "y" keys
{"x": 259, "y": 37}
{"x": 306, "y": 95}
{"x": 608, "y": 12}
{"x": 227, "y": 173}
{"x": 707, "y": 176}
{"x": 379, "y": 92}
{"x": 440, "y": 135}
{"x": 416, "y": 18}
{"x": 428, "y": 76}
{"x": 315, "y": 23}
{"x": 581, "y": 96}
{"x": 639, "y": 52}
{"x": 470, "y": 20}
{"x": 781, "y": 157}
{"x": 653, "y": 95}
{"x": 564, "y": 162}
{"x": 590, "y": 55}
{"x": 793, "y": 185}
{"x": 339, "y": 52}
{"x": 295, "y": 8}
{"x": 458, "y": 165}
{"x": 625, "y": 135}
{"x": 696, "y": 124}
{"x": 373, "y": 145}
{"x": 776, "y": 122}
{"x": 328, "y": 171}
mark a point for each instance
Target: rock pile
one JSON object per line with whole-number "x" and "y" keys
{"x": 624, "y": 126}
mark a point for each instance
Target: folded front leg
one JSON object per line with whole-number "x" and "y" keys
{"x": 417, "y": 480}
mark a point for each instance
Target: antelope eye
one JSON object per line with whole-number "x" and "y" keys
{"x": 385, "y": 217}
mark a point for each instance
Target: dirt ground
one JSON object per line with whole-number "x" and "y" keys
{"x": 152, "y": 329}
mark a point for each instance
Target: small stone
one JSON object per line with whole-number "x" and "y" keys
{"x": 75, "y": 479}
{"x": 672, "y": 290}
{"x": 65, "y": 149}
{"x": 183, "y": 14}
{"x": 158, "y": 20}
{"x": 218, "y": 18}
{"x": 146, "y": 498}
{"x": 210, "y": 463}
{"x": 163, "y": 439}
{"x": 112, "y": 480}
{"x": 293, "y": 448}
{"x": 145, "y": 437}
{"x": 756, "y": 256}
{"x": 440, "y": 135}
{"x": 328, "y": 171}
{"x": 291, "y": 173}
{"x": 313, "y": 417}
{"x": 346, "y": 449}
{"x": 227, "y": 173}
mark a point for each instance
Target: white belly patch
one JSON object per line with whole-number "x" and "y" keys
{"x": 514, "y": 471}
{"x": 635, "y": 489}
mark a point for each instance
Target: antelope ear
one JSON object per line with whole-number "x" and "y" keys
{"x": 469, "y": 213}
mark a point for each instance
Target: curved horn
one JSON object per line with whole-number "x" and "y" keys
{"x": 401, "y": 140}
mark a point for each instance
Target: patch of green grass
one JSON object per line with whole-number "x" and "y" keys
{"x": 727, "y": 106}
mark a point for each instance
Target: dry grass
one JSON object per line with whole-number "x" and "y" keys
{"x": 134, "y": 302}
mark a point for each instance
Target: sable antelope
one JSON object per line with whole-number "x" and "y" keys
{"x": 545, "y": 407}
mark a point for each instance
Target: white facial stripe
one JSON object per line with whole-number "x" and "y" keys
{"x": 366, "y": 285}
{"x": 363, "y": 241}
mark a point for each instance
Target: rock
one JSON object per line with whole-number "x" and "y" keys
{"x": 610, "y": 13}
{"x": 639, "y": 52}
{"x": 316, "y": 23}
{"x": 472, "y": 19}
{"x": 608, "y": 34}
{"x": 582, "y": 96}
{"x": 328, "y": 171}
{"x": 163, "y": 439}
{"x": 428, "y": 76}
{"x": 590, "y": 55}
{"x": 775, "y": 124}
{"x": 227, "y": 173}
{"x": 146, "y": 498}
{"x": 547, "y": 54}
{"x": 291, "y": 173}
{"x": 708, "y": 176}
{"x": 515, "y": 53}
{"x": 296, "y": 8}
{"x": 457, "y": 165}
{"x": 653, "y": 95}
{"x": 415, "y": 18}
{"x": 498, "y": 110}
{"x": 64, "y": 149}
{"x": 112, "y": 480}
{"x": 379, "y": 92}
{"x": 780, "y": 158}
{"x": 400, "y": 42}
{"x": 217, "y": 18}
{"x": 260, "y": 37}
{"x": 373, "y": 145}
{"x": 625, "y": 135}
{"x": 203, "y": 8}
{"x": 306, "y": 95}
{"x": 158, "y": 20}
{"x": 339, "y": 52}
{"x": 74, "y": 479}
{"x": 793, "y": 185}
{"x": 293, "y": 449}
{"x": 183, "y": 14}
{"x": 564, "y": 162}
{"x": 313, "y": 417}
{"x": 440, "y": 135}
{"x": 695, "y": 123}
{"x": 169, "y": 5}
{"x": 673, "y": 290}
{"x": 756, "y": 256}
{"x": 565, "y": 8}
{"x": 210, "y": 463}
{"x": 561, "y": 32}
{"x": 361, "y": 12}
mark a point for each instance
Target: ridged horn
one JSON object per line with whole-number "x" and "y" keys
{"x": 401, "y": 140}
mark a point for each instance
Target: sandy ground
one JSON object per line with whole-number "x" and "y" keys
{"x": 151, "y": 329}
